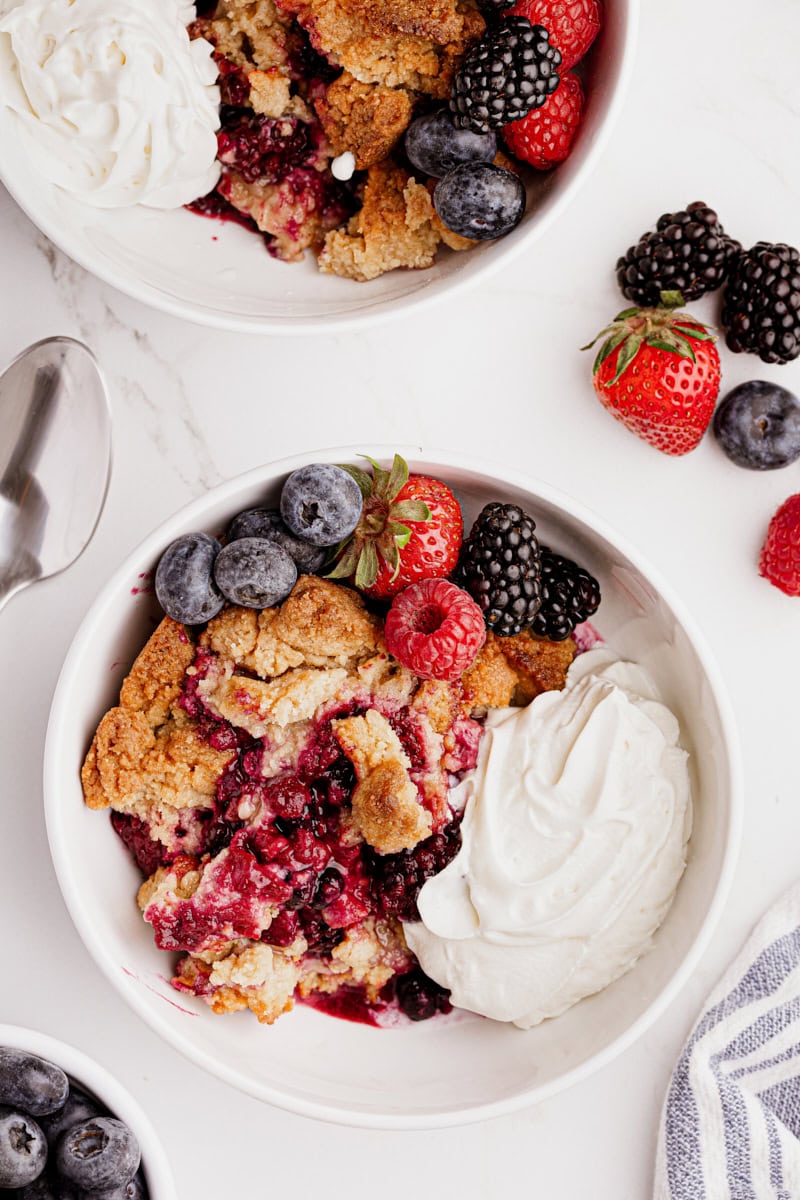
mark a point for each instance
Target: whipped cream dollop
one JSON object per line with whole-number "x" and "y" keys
{"x": 115, "y": 102}
{"x": 574, "y": 837}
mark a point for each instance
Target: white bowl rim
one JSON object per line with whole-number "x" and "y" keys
{"x": 89, "y": 1074}
{"x": 148, "y": 550}
{"x": 502, "y": 253}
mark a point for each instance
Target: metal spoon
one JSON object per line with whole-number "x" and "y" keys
{"x": 55, "y": 460}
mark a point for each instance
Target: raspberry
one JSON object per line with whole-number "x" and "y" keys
{"x": 780, "y": 554}
{"x": 435, "y": 629}
{"x": 545, "y": 136}
{"x": 573, "y": 24}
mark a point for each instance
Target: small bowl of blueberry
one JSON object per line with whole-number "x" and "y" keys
{"x": 69, "y": 1130}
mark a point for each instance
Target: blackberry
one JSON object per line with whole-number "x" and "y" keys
{"x": 761, "y": 304}
{"x": 569, "y": 595}
{"x": 508, "y": 73}
{"x": 500, "y": 567}
{"x": 492, "y": 9}
{"x": 688, "y": 252}
{"x": 420, "y": 997}
{"x": 396, "y": 880}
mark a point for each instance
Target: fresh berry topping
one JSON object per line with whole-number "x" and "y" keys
{"x": 435, "y": 145}
{"x": 761, "y": 303}
{"x": 480, "y": 201}
{"x": 758, "y": 426}
{"x": 569, "y": 596}
{"x": 33, "y": 1084}
{"x": 99, "y": 1153}
{"x": 23, "y": 1149}
{"x": 511, "y": 70}
{"x": 545, "y": 136}
{"x": 573, "y": 24}
{"x": 396, "y": 880}
{"x": 780, "y": 554}
{"x": 321, "y": 504}
{"x": 689, "y": 252}
{"x": 267, "y": 523}
{"x": 419, "y": 997}
{"x": 410, "y": 529}
{"x": 254, "y": 573}
{"x": 657, "y": 371}
{"x": 184, "y": 581}
{"x": 435, "y": 629}
{"x": 500, "y": 568}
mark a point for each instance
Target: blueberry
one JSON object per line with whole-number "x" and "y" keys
{"x": 185, "y": 586}
{"x": 30, "y": 1083}
{"x": 99, "y": 1153}
{"x": 254, "y": 573}
{"x": 79, "y": 1107}
{"x": 758, "y": 426}
{"x": 134, "y": 1189}
{"x": 49, "y": 1188}
{"x": 267, "y": 523}
{"x": 435, "y": 146}
{"x": 480, "y": 201}
{"x": 321, "y": 504}
{"x": 23, "y": 1149}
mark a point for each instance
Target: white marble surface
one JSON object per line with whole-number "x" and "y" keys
{"x": 712, "y": 114}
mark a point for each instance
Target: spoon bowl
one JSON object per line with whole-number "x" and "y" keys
{"x": 55, "y": 460}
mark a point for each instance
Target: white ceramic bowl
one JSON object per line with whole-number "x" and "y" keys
{"x": 431, "y": 1074}
{"x": 217, "y": 274}
{"x": 109, "y": 1091}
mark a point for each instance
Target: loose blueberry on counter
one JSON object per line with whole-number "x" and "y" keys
{"x": 435, "y": 146}
{"x": 321, "y": 503}
{"x": 31, "y": 1083}
{"x": 23, "y": 1149}
{"x": 758, "y": 426}
{"x": 254, "y": 573}
{"x": 480, "y": 201}
{"x": 267, "y": 523}
{"x": 185, "y": 586}
{"x": 79, "y": 1107}
{"x": 100, "y": 1153}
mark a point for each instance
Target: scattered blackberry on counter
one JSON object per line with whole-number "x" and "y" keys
{"x": 758, "y": 426}
{"x": 435, "y": 145}
{"x": 480, "y": 201}
{"x": 689, "y": 252}
{"x": 570, "y": 595}
{"x": 761, "y": 303}
{"x": 500, "y": 567}
{"x": 508, "y": 73}
{"x": 420, "y": 997}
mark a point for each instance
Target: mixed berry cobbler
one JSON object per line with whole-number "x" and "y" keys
{"x": 317, "y": 96}
{"x": 284, "y": 784}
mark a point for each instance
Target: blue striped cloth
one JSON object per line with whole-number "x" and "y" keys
{"x": 731, "y": 1119}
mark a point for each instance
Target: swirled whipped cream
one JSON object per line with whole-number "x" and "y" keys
{"x": 115, "y": 103}
{"x": 574, "y": 836}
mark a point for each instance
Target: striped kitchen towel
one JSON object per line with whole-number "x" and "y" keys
{"x": 731, "y": 1119}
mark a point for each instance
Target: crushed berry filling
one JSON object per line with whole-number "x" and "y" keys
{"x": 215, "y": 205}
{"x": 396, "y": 880}
{"x": 263, "y": 148}
{"x": 419, "y": 997}
{"x": 148, "y": 854}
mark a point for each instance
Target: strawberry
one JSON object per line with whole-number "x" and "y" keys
{"x": 410, "y": 529}
{"x": 572, "y": 24}
{"x": 544, "y": 137}
{"x": 658, "y": 372}
{"x": 780, "y": 554}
